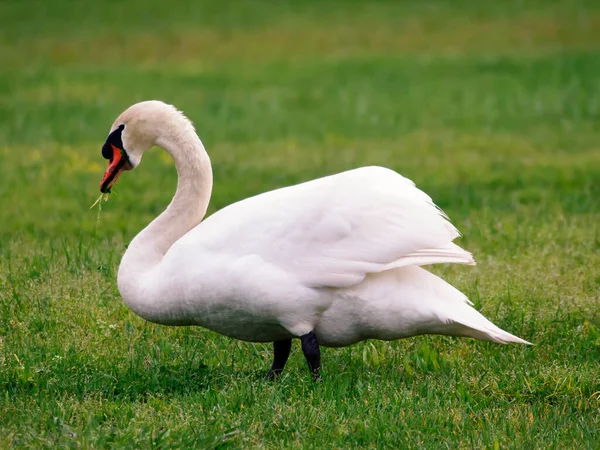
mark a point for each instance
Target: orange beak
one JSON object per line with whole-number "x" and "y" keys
{"x": 117, "y": 165}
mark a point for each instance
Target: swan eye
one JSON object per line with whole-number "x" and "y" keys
{"x": 113, "y": 140}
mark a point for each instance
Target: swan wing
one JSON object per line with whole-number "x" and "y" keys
{"x": 333, "y": 231}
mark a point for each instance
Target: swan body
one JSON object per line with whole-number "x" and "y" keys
{"x": 337, "y": 259}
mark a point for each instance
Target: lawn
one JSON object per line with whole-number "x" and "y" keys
{"x": 492, "y": 108}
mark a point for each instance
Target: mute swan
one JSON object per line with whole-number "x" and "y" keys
{"x": 332, "y": 261}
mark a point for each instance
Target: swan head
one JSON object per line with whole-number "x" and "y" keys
{"x": 137, "y": 129}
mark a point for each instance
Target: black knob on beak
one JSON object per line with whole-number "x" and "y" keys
{"x": 113, "y": 139}
{"x": 107, "y": 151}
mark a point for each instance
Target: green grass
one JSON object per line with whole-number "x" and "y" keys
{"x": 492, "y": 108}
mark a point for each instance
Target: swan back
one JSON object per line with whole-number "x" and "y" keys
{"x": 333, "y": 231}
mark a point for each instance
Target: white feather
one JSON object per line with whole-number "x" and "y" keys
{"x": 333, "y": 231}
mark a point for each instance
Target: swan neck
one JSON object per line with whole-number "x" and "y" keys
{"x": 187, "y": 208}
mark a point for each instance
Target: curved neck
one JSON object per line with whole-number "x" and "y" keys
{"x": 186, "y": 210}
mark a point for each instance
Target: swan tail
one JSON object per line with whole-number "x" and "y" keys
{"x": 466, "y": 321}
{"x": 439, "y": 308}
{"x": 450, "y": 253}
{"x": 401, "y": 303}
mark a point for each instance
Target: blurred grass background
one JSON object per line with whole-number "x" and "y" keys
{"x": 491, "y": 108}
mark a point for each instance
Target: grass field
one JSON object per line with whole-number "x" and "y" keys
{"x": 493, "y": 108}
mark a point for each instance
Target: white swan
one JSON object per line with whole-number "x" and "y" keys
{"x": 332, "y": 261}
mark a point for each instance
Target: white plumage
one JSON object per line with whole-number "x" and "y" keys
{"x": 339, "y": 256}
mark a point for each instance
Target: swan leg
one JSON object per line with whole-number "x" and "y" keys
{"x": 312, "y": 353}
{"x": 281, "y": 353}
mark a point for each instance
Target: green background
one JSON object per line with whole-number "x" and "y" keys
{"x": 492, "y": 108}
